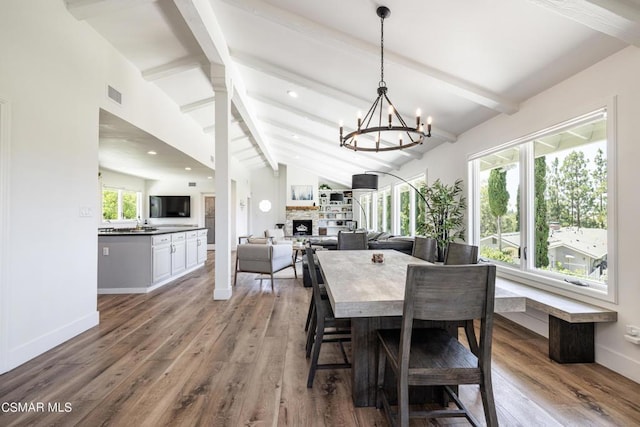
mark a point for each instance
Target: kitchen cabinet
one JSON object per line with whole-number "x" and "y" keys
{"x": 202, "y": 246}
{"x": 192, "y": 248}
{"x": 162, "y": 252}
{"x": 140, "y": 261}
{"x": 178, "y": 253}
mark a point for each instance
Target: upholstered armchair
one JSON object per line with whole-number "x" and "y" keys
{"x": 264, "y": 259}
{"x": 277, "y": 236}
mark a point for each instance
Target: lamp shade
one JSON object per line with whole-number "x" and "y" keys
{"x": 364, "y": 181}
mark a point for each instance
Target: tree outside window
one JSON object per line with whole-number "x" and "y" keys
{"x": 565, "y": 172}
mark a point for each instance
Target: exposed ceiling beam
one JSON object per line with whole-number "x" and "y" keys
{"x": 339, "y": 40}
{"x": 615, "y": 18}
{"x": 315, "y": 86}
{"x": 321, "y": 171}
{"x": 83, "y": 9}
{"x": 172, "y": 68}
{"x": 203, "y": 23}
{"x": 308, "y": 152}
{"x": 274, "y": 103}
{"x": 371, "y": 158}
{"x": 202, "y": 103}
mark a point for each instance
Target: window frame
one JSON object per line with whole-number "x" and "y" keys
{"x": 120, "y": 191}
{"x": 525, "y": 272}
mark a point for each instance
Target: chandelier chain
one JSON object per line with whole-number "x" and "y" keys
{"x": 382, "y": 82}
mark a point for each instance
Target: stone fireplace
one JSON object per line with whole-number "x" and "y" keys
{"x": 302, "y": 227}
{"x": 302, "y": 215}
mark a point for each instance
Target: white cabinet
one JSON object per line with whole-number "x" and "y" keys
{"x": 162, "y": 252}
{"x": 202, "y": 246}
{"x": 192, "y": 248}
{"x": 178, "y": 253}
{"x": 336, "y": 212}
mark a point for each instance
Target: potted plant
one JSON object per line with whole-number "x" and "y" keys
{"x": 444, "y": 214}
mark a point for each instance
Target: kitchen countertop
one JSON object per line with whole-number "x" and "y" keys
{"x": 145, "y": 231}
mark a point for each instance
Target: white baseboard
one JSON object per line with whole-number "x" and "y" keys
{"x": 606, "y": 357}
{"x": 619, "y": 363}
{"x": 25, "y": 352}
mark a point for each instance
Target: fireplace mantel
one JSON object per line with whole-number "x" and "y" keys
{"x": 303, "y": 208}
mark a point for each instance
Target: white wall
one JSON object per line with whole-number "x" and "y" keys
{"x": 178, "y": 188}
{"x": 267, "y": 186}
{"x": 53, "y": 78}
{"x": 298, "y": 176}
{"x": 586, "y": 91}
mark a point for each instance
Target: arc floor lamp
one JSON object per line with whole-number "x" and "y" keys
{"x": 369, "y": 181}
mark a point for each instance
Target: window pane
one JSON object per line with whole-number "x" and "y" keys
{"x": 109, "y": 204}
{"x": 387, "y": 213}
{"x": 405, "y": 209}
{"x": 420, "y": 206}
{"x": 571, "y": 201}
{"x": 380, "y": 212}
{"x": 499, "y": 206}
{"x": 129, "y": 205}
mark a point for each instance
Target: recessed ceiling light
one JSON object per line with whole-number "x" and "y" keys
{"x": 209, "y": 177}
{"x": 153, "y": 153}
{"x": 187, "y": 168}
{"x": 294, "y": 136}
{"x": 292, "y": 93}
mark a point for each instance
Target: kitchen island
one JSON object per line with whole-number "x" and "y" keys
{"x": 139, "y": 260}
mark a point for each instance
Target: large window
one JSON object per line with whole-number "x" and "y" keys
{"x": 542, "y": 205}
{"x": 410, "y": 206}
{"x": 383, "y": 210}
{"x": 120, "y": 204}
{"x": 367, "y": 209}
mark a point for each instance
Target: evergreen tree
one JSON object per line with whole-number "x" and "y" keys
{"x": 576, "y": 188}
{"x": 498, "y": 198}
{"x": 553, "y": 190}
{"x": 540, "y": 206}
{"x": 600, "y": 189}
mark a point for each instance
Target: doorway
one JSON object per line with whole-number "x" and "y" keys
{"x": 210, "y": 220}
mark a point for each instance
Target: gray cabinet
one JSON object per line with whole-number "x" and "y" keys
{"x": 142, "y": 262}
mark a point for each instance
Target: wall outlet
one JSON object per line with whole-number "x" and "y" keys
{"x": 105, "y": 251}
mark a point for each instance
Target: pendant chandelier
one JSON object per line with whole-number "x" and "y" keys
{"x": 372, "y": 123}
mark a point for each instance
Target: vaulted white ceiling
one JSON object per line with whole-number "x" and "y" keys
{"x": 461, "y": 62}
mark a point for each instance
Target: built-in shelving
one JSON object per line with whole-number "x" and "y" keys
{"x": 336, "y": 212}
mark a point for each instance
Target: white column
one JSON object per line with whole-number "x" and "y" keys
{"x": 223, "y": 89}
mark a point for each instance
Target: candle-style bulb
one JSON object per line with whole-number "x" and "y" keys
{"x": 418, "y": 114}
{"x": 359, "y": 119}
{"x": 390, "y": 114}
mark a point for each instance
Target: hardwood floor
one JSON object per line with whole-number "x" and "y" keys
{"x": 176, "y": 357}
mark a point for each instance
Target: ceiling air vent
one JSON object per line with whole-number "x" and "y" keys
{"x": 192, "y": 184}
{"x": 114, "y": 95}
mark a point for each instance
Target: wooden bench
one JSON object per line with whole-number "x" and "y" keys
{"x": 571, "y": 322}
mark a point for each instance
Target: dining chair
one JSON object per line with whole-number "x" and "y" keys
{"x": 431, "y": 356}
{"x": 324, "y": 328}
{"x": 352, "y": 240}
{"x": 458, "y": 254}
{"x": 263, "y": 258}
{"x": 425, "y": 248}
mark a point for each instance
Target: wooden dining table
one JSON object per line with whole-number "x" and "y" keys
{"x": 372, "y": 295}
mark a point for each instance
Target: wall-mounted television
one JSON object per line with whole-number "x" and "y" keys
{"x": 169, "y": 206}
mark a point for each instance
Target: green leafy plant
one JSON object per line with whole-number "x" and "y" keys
{"x": 444, "y": 214}
{"x": 324, "y": 187}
